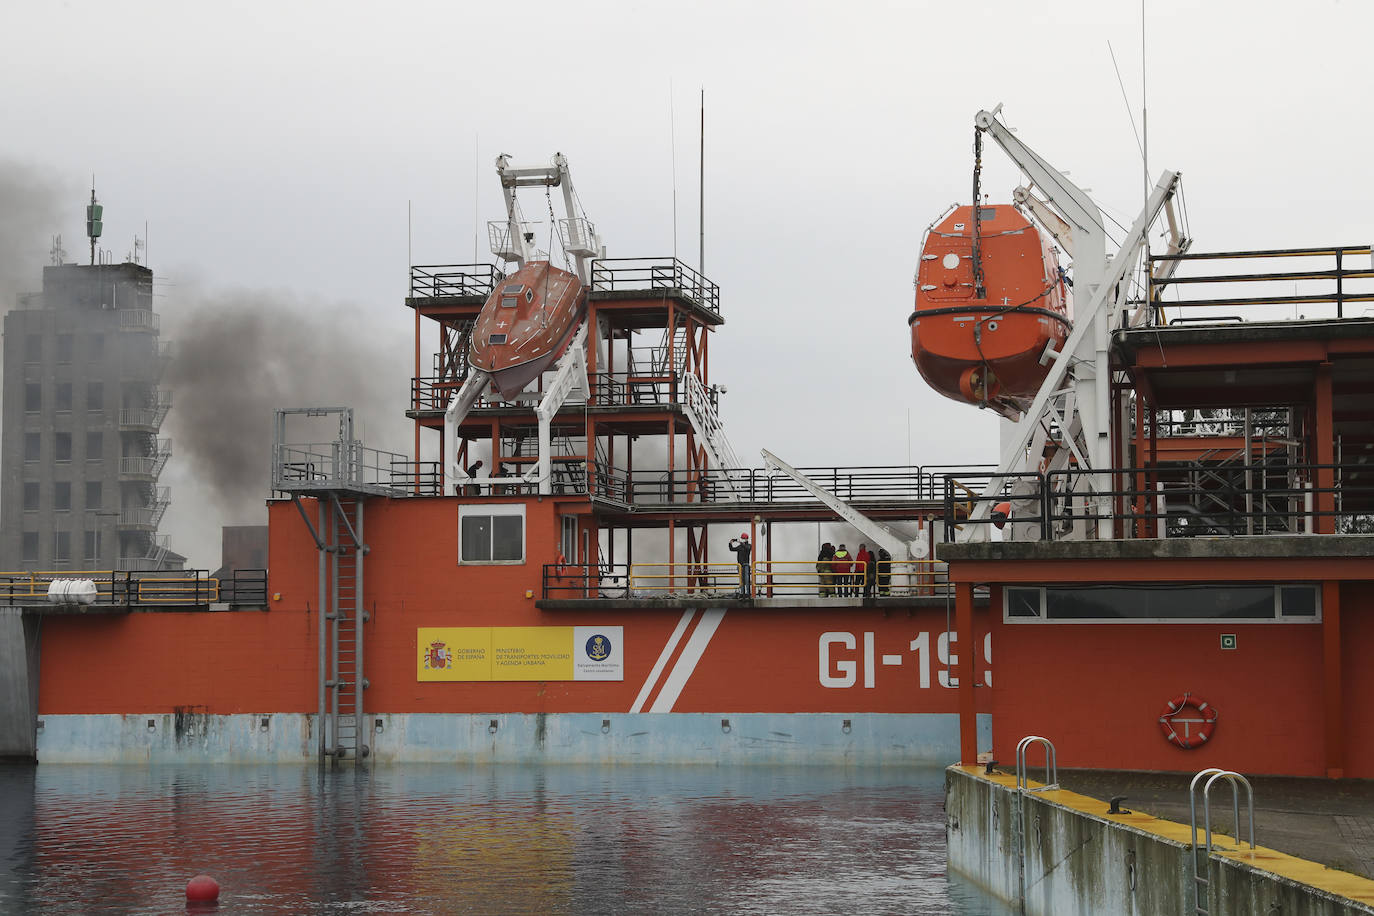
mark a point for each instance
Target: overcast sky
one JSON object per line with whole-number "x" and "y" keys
{"x": 273, "y": 151}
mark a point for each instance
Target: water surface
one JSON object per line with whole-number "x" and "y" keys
{"x": 489, "y": 839}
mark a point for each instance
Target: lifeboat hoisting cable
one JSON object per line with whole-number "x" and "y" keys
{"x": 979, "y": 290}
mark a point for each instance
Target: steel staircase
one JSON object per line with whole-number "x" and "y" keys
{"x": 696, "y": 403}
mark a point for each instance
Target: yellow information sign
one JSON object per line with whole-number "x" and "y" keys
{"x": 518, "y": 653}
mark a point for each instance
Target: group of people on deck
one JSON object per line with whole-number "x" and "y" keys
{"x": 843, "y": 574}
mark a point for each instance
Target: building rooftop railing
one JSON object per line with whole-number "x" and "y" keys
{"x": 445, "y": 281}
{"x": 667, "y": 274}
{"x": 1268, "y": 496}
{"x": 169, "y": 589}
{"x": 1331, "y": 282}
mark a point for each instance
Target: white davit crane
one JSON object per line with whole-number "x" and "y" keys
{"x": 880, "y": 534}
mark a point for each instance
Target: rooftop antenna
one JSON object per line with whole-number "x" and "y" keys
{"x": 94, "y": 223}
{"x": 701, "y": 184}
{"x": 672, "y": 140}
{"x": 57, "y": 255}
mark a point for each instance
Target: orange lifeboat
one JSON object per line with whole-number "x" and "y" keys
{"x": 525, "y": 325}
{"x": 983, "y": 318}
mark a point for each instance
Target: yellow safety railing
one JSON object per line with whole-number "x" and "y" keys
{"x": 187, "y": 590}
{"x": 693, "y": 578}
{"x": 806, "y": 577}
{"x": 34, "y": 583}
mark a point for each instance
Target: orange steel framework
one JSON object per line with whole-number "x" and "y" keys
{"x": 624, "y": 401}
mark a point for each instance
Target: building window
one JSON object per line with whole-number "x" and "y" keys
{"x": 97, "y": 346}
{"x": 33, "y": 348}
{"x": 1135, "y": 603}
{"x": 64, "y": 348}
{"x": 30, "y": 547}
{"x": 61, "y": 546}
{"x": 62, "y": 495}
{"x": 62, "y": 446}
{"x": 30, "y": 496}
{"x": 33, "y": 446}
{"x": 568, "y": 538}
{"x": 64, "y": 395}
{"x": 95, "y": 444}
{"x": 92, "y": 545}
{"x": 491, "y": 534}
{"x": 33, "y": 397}
{"x": 93, "y": 494}
{"x": 95, "y": 395}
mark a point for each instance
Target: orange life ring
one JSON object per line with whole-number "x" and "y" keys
{"x": 558, "y": 567}
{"x": 1196, "y": 731}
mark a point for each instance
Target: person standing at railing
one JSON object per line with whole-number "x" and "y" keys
{"x": 884, "y": 572}
{"x": 741, "y": 548}
{"x": 843, "y": 565}
{"x": 824, "y": 570}
{"x": 866, "y": 570}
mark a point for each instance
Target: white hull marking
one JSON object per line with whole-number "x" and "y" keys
{"x": 687, "y": 662}
{"x": 663, "y": 657}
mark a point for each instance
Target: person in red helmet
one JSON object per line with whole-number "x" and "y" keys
{"x": 742, "y": 549}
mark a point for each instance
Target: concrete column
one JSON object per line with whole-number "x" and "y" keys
{"x": 968, "y": 708}
{"x": 18, "y": 683}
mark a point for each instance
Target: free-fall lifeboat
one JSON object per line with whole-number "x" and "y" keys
{"x": 525, "y": 324}
{"x": 985, "y": 311}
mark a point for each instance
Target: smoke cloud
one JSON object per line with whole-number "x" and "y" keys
{"x": 238, "y": 355}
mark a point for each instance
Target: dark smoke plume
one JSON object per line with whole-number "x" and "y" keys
{"x": 239, "y": 355}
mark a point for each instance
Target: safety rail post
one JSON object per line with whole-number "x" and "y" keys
{"x": 1051, "y": 765}
{"x": 1203, "y": 856}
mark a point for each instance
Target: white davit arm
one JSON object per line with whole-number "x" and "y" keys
{"x": 1062, "y": 232}
{"x": 881, "y": 535}
{"x": 458, "y": 407}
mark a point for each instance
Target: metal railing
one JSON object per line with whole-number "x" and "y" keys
{"x": 852, "y": 484}
{"x": 1202, "y": 854}
{"x": 132, "y": 588}
{"x": 338, "y": 465}
{"x": 1313, "y": 287}
{"x": 667, "y": 274}
{"x": 769, "y": 578}
{"x": 441, "y": 281}
{"x": 1172, "y": 500}
{"x": 138, "y": 320}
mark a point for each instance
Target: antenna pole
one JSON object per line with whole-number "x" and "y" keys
{"x": 701, "y": 184}
{"x": 672, "y": 139}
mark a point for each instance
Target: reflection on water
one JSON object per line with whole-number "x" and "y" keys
{"x": 442, "y": 839}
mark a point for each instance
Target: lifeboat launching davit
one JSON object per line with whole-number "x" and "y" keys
{"x": 990, "y": 297}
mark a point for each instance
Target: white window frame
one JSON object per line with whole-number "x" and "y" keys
{"x": 1278, "y": 617}
{"x": 491, "y": 510}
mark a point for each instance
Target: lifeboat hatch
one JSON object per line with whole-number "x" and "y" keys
{"x": 497, "y": 339}
{"x": 949, "y": 274}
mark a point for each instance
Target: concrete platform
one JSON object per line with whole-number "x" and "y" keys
{"x": 1330, "y": 822}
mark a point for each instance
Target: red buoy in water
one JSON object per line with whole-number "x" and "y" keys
{"x": 202, "y": 888}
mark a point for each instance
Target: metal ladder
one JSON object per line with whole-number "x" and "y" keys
{"x": 342, "y": 733}
{"x": 1018, "y": 826}
{"x": 1202, "y": 858}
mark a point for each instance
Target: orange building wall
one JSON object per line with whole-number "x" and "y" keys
{"x": 1097, "y": 691}
{"x": 765, "y": 660}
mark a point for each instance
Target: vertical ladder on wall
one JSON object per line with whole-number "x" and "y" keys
{"x": 344, "y": 680}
